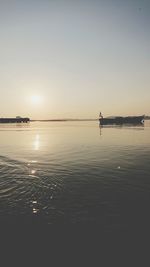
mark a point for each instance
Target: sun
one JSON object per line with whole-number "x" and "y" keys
{"x": 36, "y": 99}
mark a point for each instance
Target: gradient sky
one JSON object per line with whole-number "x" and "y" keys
{"x": 79, "y": 57}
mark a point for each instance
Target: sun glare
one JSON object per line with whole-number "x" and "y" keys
{"x": 36, "y": 99}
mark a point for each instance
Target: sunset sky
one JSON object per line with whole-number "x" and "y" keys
{"x": 73, "y": 59}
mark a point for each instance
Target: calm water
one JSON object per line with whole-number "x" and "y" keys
{"x": 75, "y": 173}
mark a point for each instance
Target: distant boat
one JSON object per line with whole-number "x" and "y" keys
{"x": 18, "y": 119}
{"x": 121, "y": 120}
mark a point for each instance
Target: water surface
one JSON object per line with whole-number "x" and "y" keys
{"x": 75, "y": 173}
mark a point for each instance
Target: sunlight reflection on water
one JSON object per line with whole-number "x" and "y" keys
{"x": 36, "y": 143}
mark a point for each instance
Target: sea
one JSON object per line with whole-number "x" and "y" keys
{"x": 75, "y": 173}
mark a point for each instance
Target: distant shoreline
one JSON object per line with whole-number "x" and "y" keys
{"x": 62, "y": 120}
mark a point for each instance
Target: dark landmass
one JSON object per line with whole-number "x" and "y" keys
{"x": 14, "y": 120}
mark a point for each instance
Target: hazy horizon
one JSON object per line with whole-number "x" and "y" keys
{"x": 73, "y": 59}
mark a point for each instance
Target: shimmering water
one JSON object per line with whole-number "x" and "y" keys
{"x": 75, "y": 173}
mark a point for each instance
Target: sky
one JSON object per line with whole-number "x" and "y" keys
{"x": 73, "y": 59}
